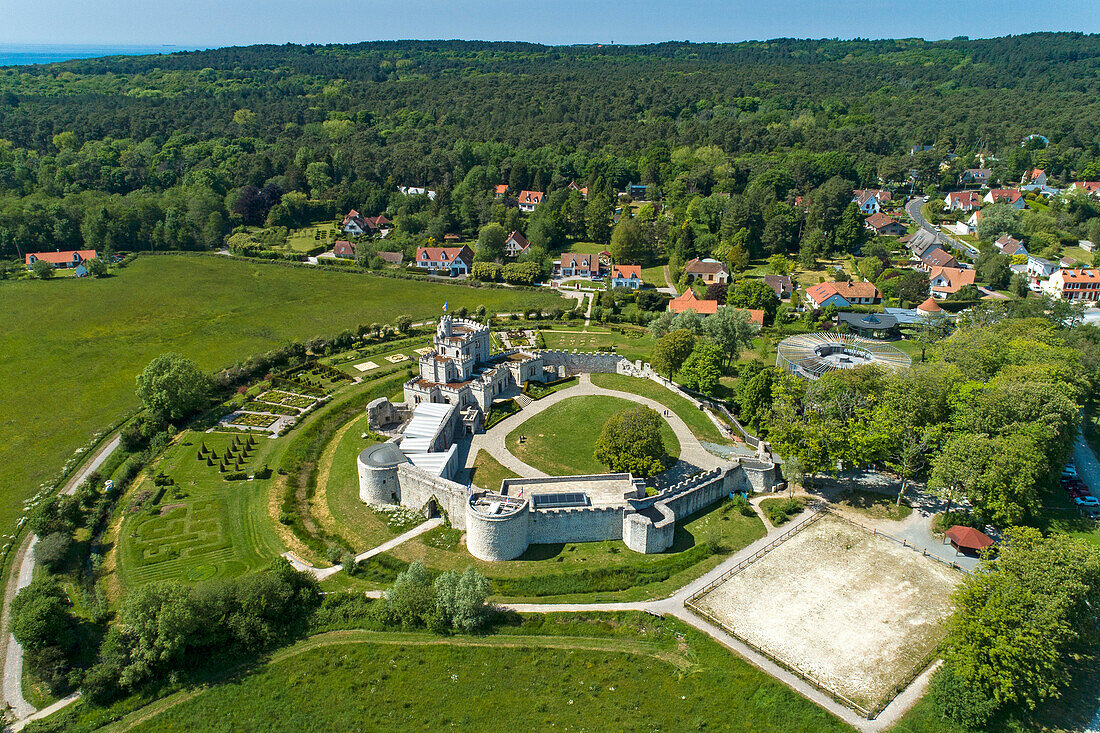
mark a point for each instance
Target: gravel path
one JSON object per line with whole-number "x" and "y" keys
{"x": 321, "y": 573}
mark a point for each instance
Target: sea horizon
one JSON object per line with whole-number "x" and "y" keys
{"x": 23, "y": 54}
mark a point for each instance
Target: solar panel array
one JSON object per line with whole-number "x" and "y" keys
{"x": 558, "y": 501}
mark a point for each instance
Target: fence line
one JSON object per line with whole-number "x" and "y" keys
{"x": 901, "y": 541}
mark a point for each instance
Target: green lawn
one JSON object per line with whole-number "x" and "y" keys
{"x": 634, "y": 345}
{"x": 875, "y": 506}
{"x": 487, "y": 472}
{"x": 73, "y": 346}
{"x": 560, "y": 672}
{"x": 202, "y": 526}
{"x": 655, "y": 276}
{"x": 560, "y": 439}
{"x": 697, "y": 421}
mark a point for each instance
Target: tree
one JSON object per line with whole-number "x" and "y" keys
{"x": 97, "y": 267}
{"x": 913, "y": 287}
{"x": 703, "y": 369}
{"x": 411, "y": 601}
{"x": 173, "y": 387}
{"x": 597, "y": 218}
{"x": 52, "y": 550}
{"x": 672, "y": 350}
{"x": 403, "y": 323}
{"x": 780, "y": 264}
{"x": 40, "y": 616}
{"x": 628, "y": 245}
{"x": 999, "y": 219}
{"x": 731, "y": 331}
{"x": 490, "y": 243}
{"x": 460, "y": 599}
{"x": 850, "y": 233}
{"x": 754, "y": 294}
{"x": 717, "y": 291}
{"x": 1023, "y": 616}
{"x": 155, "y": 624}
{"x": 630, "y": 442}
{"x": 931, "y": 329}
{"x": 996, "y": 271}
{"x": 42, "y": 270}
{"x": 486, "y": 272}
{"x": 812, "y": 247}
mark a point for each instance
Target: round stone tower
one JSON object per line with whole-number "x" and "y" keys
{"x": 496, "y": 527}
{"x": 378, "y": 474}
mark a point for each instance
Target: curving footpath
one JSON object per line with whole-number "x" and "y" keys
{"x": 21, "y": 576}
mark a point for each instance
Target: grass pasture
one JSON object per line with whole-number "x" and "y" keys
{"x": 202, "y": 526}
{"x": 560, "y": 439}
{"x": 93, "y": 336}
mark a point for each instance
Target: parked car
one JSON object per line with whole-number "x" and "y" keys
{"x": 1070, "y": 470}
{"x": 1086, "y": 501}
{"x": 1091, "y": 512}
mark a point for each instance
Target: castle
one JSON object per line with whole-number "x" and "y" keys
{"x": 457, "y": 383}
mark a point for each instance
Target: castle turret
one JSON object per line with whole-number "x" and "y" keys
{"x": 378, "y": 474}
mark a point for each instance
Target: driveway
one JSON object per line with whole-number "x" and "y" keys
{"x": 913, "y": 209}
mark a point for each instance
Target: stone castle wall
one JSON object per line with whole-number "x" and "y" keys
{"x": 500, "y": 537}
{"x": 569, "y": 363}
{"x": 418, "y": 487}
{"x": 576, "y": 524}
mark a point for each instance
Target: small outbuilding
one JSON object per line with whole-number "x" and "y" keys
{"x": 968, "y": 540}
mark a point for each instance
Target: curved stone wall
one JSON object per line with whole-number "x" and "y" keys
{"x": 377, "y": 484}
{"x": 496, "y": 537}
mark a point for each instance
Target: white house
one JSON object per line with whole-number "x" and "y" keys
{"x": 963, "y": 201}
{"x": 1009, "y": 196}
{"x": 515, "y": 245}
{"x": 626, "y": 276}
{"x": 528, "y": 200}
{"x": 1039, "y": 268}
{"x": 868, "y": 201}
{"x": 416, "y": 191}
{"x": 451, "y": 260}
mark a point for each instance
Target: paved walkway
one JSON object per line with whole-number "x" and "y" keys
{"x": 321, "y": 573}
{"x": 693, "y": 456}
{"x": 1088, "y": 470}
{"x": 21, "y": 577}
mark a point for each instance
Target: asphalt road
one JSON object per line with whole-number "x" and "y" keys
{"x": 913, "y": 209}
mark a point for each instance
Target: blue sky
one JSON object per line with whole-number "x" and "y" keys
{"x": 237, "y": 22}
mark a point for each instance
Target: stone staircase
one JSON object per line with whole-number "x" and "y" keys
{"x": 523, "y": 400}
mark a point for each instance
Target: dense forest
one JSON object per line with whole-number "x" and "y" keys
{"x": 175, "y": 151}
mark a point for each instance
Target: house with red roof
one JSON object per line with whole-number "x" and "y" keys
{"x": 515, "y": 245}
{"x": 1090, "y": 188}
{"x": 885, "y": 226}
{"x": 583, "y": 190}
{"x": 869, "y": 201}
{"x": 528, "y": 200}
{"x": 708, "y": 270}
{"x": 1035, "y": 177}
{"x": 453, "y": 261}
{"x": 574, "y": 264}
{"x": 343, "y": 249}
{"x": 937, "y": 258}
{"x": 626, "y": 276}
{"x": 842, "y": 294}
{"x": 963, "y": 201}
{"x": 1010, "y": 196}
{"x": 356, "y": 224}
{"x": 943, "y": 281}
{"x": 500, "y": 190}
{"x": 689, "y": 302}
{"x": 1078, "y": 285}
{"x": 61, "y": 260}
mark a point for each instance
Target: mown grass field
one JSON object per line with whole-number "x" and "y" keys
{"x": 72, "y": 348}
{"x": 560, "y": 440}
{"x": 697, "y": 421}
{"x": 488, "y": 472}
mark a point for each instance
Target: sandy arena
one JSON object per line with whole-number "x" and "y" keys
{"x": 856, "y": 613}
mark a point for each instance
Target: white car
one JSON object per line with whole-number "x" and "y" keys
{"x": 1070, "y": 470}
{"x": 1086, "y": 501}
{"x": 926, "y": 199}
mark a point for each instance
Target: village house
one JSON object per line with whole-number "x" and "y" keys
{"x": 626, "y": 276}
{"x": 963, "y": 201}
{"x": 842, "y": 294}
{"x": 1035, "y": 177}
{"x": 979, "y": 176}
{"x": 1090, "y": 188}
{"x": 1086, "y": 245}
{"x": 708, "y": 270}
{"x": 1039, "y": 268}
{"x": 574, "y": 187}
{"x": 937, "y": 258}
{"x": 417, "y": 191}
{"x": 1012, "y": 247}
{"x": 357, "y": 225}
{"x": 572, "y": 264}
{"x": 449, "y": 260}
{"x": 1009, "y": 196}
{"x": 687, "y": 301}
{"x": 781, "y": 285}
{"x": 61, "y": 260}
{"x": 528, "y": 200}
{"x": 501, "y": 190}
{"x": 1005, "y": 240}
{"x": 515, "y": 245}
{"x": 869, "y": 201}
{"x": 943, "y": 281}
{"x": 1077, "y": 285}
{"x": 920, "y": 243}
{"x": 343, "y": 249}
{"x": 886, "y": 226}
{"x": 391, "y": 258}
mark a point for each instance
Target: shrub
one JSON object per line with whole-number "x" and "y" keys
{"x": 52, "y": 550}
{"x": 960, "y": 700}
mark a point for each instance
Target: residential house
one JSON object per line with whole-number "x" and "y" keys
{"x": 886, "y": 226}
{"x": 867, "y": 201}
{"x": 1035, "y": 177}
{"x": 937, "y": 258}
{"x": 974, "y": 220}
{"x": 528, "y": 200}
{"x": 417, "y": 191}
{"x": 1077, "y": 285}
{"x": 343, "y": 249}
{"x": 689, "y": 302}
{"x": 1010, "y": 196}
{"x": 921, "y": 242}
{"x": 636, "y": 190}
{"x": 979, "y": 176}
{"x": 626, "y": 276}
{"x": 572, "y": 264}
{"x": 574, "y": 187}
{"x": 963, "y": 201}
{"x": 356, "y": 224}
{"x": 1067, "y": 262}
{"x": 781, "y": 285}
{"x": 943, "y": 281}
{"x": 445, "y": 260}
{"x": 1091, "y": 188}
{"x": 392, "y": 258}
{"x": 1004, "y": 241}
{"x": 1086, "y": 245}
{"x": 1014, "y": 248}
{"x": 515, "y": 245}
{"x": 501, "y": 190}
{"x": 708, "y": 270}
{"x": 61, "y": 260}
{"x": 842, "y": 294}
{"x": 1039, "y": 268}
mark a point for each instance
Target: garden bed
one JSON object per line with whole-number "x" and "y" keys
{"x": 253, "y": 420}
{"x": 285, "y": 398}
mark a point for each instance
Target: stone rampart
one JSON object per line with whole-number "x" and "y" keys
{"x": 570, "y": 363}
{"x": 499, "y": 536}
{"x": 419, "y": 487}
{"x": 576, "y": 524}
{"x": 650, "y": 530}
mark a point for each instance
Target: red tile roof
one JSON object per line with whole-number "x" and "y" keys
{"x": 822, "y": 292}
{"x": 939, "y": 258}
{"x": 501, "y": 189}
{"x": 704, "y": 267}
{"x": 956, "y": 277}
{"x": 688, "y": 301}
{"x": 444, "y": 254}
{"x": 533, "y": 198}
{"x": 57, "y": 258}
{"x": 964, "y": 199}
{"x": 1009, "y": 195}
{"x": 929, "y": 306}
{"x": 627, "y": 271}
{"x": 573, "y": 261}
{"x": 343, "y": 247}
{"x": 880, "y": 220}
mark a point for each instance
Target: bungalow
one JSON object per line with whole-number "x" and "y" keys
{"x": 343, "y": 249}
{"x": 867, "y": 201}
{"x": 416, "y": 191}
{"x": 1009, "y": 196}
{"x": 66, "y": 260}
{"x": 1039, "y": 268}
{"x": 708, "y": 270}
{"x": 515, "y": 245}
{"x": 937, "y": 258}
{"x": 1081, "y": 285}
{"x": 943, "y": 281}
{"x": 528, "y": 200}
{"x": 842, "y": 294}
{"x": 501, "y": 190}
{"x": 781, "y": 285}
{"x": 963, "y": 201}
{"x": 688, "y": 302}
{"x": 450, "y": 260}
{"x": 574, "y": 187}
{"x": 392, "y": 258}
{"x": 626, "y": 276}
{"x": 884, "y": 225}
{"x": 980, "y": 176}
{"x": 1004, "y": 241}
{"x": 578, "y": 265}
